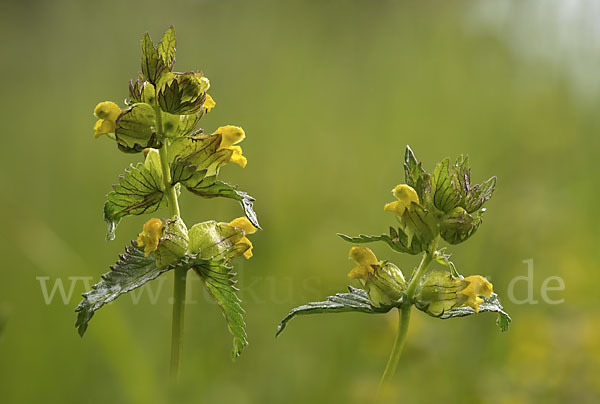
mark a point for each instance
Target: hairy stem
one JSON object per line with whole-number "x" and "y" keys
{"x": 404, "y": 316}
{"x": 179, "y": 278}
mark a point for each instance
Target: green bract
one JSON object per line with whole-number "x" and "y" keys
{"x": 161, "y": 119}
{"x": 429, "y": 207}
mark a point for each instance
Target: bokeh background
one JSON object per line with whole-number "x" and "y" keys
{"x": 329, "y": 93}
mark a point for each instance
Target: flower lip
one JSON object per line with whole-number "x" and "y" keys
{"x": 478, "y": 286}
{"x": 150, "y": 235}
{"x": 248, "y": 228}
{"x": 365, "y": 260}
{"x": 405, "y": 195}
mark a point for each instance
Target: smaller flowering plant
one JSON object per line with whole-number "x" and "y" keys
{"x": 428, "y": 208}
{"x": 160, "y": 122}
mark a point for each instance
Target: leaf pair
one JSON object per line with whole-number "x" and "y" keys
{"x": 215, "y": 244}
{"x": 195, "y": 164}
{"x": 358, "y": 301}
{"x": 157, "y": 60}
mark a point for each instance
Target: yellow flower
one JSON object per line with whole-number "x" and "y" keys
{"x": 231, "y": 135}
{"x": 248, "y": 228}
{"x": 478, "y": 286}
{"x": 209, "y": 103}
{"x": 107, "y": 113}
{"x": 150, "y": 235}
{"x": 405, "y": 195}
{"x": 365, "y": 259}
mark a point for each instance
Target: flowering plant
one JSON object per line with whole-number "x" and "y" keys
{"x": 160, "y": 120}
{"x": 428, "y": 208}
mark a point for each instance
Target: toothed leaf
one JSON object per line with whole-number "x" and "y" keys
{"x": 355, "y": 301}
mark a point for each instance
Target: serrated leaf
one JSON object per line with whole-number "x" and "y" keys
{"x": 491, "y": 304}
{"x": 138, "y": 192}
{"x": 153, "y": 65}
{"x": 444, "y": 259}
{"x": 462, "y": 170}
{"x": 131, "y": 271}
{"x": 479, "y": 194}
{"x": 412, "y": 168}
{"x": 182, "y": 95}
{"x": 167, "y": 46}
{"x": 220, "y": 283}
{"x": 446, "y": 195}
{"x": 397, "y": 240}
{"x": 355, "y": 301}
{"x": 210, "y": 187}
{"x": 136, "y": 126}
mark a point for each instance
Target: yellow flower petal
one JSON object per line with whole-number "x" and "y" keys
{"x": 150, "y": 235}
{"x": 478, "y": 286}
{"x": 360, "y": 272}
{"x": 397, "y": 207}
{"x": 107, "y": 110}
{"x": 363, "y": 256}
{"x": 405, "y": 195}
{"x": 230, "y": 135}
{"x": 248, "y": 253}
{"x": 104, "y": 126}
{"x": 244, "y": 224}
{"x": 237, "y": 158}
{"x": 209, "y": 103}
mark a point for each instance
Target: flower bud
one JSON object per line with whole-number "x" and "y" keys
{"x": 457, "y": 226}
{"x": 440, "y": 292}
{"x": 173, "y": 244}
{"x": 386, "y": 285}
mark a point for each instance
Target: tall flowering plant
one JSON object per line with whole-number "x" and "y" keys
{"x": 159, "y": 122}
{"x": 428, "y": 208}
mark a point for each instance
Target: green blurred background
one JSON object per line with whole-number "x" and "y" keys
{"x": 329, "y": 94}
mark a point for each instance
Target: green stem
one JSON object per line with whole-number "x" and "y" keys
{"x": 179, "y": 278}
{"x": 403, "y": 320}
{"x": 179, "y": 284}
{"x": 404, "y": 316}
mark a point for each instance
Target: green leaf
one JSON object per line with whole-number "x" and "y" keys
{"x": 491, "y": 304}
{"x": 136, "y": 127}
{"x": 153, "y": 65}
{"x": 182, "y": 95}
{"x": 166, "y": 48}
{"x": 412, "y": 168}
{"x": 201, "y": 151}
{"x": 181, "y": 125}
{"x": 131, "y": 271}
{"x": 444, "y": 259}
{"x": 139, "y": 191}
{"x": 446, "y": 195}
{"x": 210, "y": 187}
{"x": 462, "y": 170}
{"x": 355, "y": 301}
{"x": 479, "y": 194}
{"x": 220, "y": 283}
{"x": 397, "y": 240}
{"x": 418, "y": 222}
